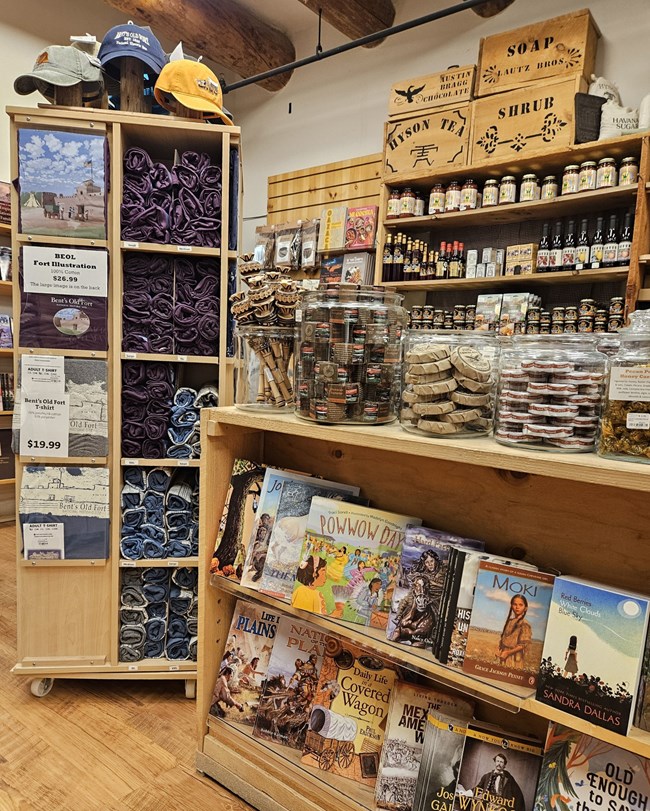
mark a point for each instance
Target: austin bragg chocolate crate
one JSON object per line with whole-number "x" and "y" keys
{"x": 451, "y": 86}
{"x": 524, "y": 122}
{"x": 557, "y": 47}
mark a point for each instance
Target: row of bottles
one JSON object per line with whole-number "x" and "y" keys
{"x": 571, "y": 251}
{"x": 407, "y": 259}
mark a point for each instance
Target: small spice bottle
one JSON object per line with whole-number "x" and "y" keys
{"x": 507, "y": 190}
{"x": 407, "y": 203}
{"x": 549, "y": 188}
{"x": 606, "y": 174}
{"x": 393, "y": 205}
{"x": 629, "y": 172}
{"x": 529, "y": 189}
{"x": 570, "y": 179}
{"x": 469, "y": 195}
{"x": 587, "y": 177}
{"x": 490, "y": 193}
{"x": 452, "y": 196}
{"x": 437, "y": 199}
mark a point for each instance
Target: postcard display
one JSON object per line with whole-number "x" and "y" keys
{"x": 124, "y": 237}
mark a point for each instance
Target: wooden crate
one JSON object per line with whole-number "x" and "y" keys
{"x": 551, "y": 48}
{"x": 524, "y": 122}
{"x": 426, "y": 142}
{"x": 451, "y": 86}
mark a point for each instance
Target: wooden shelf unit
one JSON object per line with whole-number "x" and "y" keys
{"x": 78, "y": 638}
{"x": 519, "y": 501}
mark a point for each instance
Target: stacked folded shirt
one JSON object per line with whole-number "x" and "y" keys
{"x": 147, "y": 398}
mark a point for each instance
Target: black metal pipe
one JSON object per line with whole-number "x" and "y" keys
{"x": 355, "y": 43}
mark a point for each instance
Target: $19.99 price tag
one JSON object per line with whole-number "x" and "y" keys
{"x": 45, "y": 425}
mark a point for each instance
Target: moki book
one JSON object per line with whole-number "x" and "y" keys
{"x": 580, "y": 773}
{"x": 509, "y": 616}
{"x": 242, "y": 671}
{"x": 349, "y": 561}
{"x": 593, "y": 652}
{"x": 291, "y": 681}
{"x": 402, "y": 752}
{"x": 237, "y": 519}
{"x": 348, "y": 719}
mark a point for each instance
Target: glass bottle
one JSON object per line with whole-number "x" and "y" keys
{"x": 408, "y": 257}
{"x": 507, "y": 190}
{"x": 387, "y": 261}
{"x": 468, "y": 195}
{"x": 625, "y": 242}
{"x": 416, "y": 259}
{"x": 582, "y": 248}
{"x": 393, "y": 205}
{"x": 549, "y": 188}
{"x": 461, "y": 260}
{"x": 442, "y": 267}
{"x": 452, "y": 196}
{"x": 437, "y": 199}
{"x": 453, "y": 262}
{"x": 570, "y": 179}
{"x": 407, "y": 203}
{"x": 606, "y": 174}
{"x": 569, "y": 247}
{"x": 587, "y": 178}
{"x": 529, "y": 189}
{"x": 419, "y": 204}
{"x": 597, "y": 244}
{"x": 629, "y": 172}
{"x": 398, "y": 258}
{"x": 555, "y": 256}
{"x": 610, "y": 248}
{"x": 490, "y": 193}
{"x": 543, "y": 250}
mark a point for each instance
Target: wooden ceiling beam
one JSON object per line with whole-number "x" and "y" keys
{"x": 223, "y": 32}
{"x": 355, "y": 18}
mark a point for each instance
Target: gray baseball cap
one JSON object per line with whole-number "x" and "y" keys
{"x": 61, "y": 66}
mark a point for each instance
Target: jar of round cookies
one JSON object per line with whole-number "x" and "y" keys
{"x": 449, "y": 383}
{"x": 550, "y": 392}
{"x": 352, "y": 335}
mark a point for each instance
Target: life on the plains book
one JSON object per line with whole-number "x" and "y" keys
{"x": 593, "y": 652}
{"x": 499, "y": 770}
{"x": 291, "y": 681}
{"x": 581, "y": 773}
{"x": 350, "y": 711}
{"x": 349, "y": 561}
{"x": 237, "y": 519}
{"x": 245, "y": 661}
{"x": 402, "y": 752}
{"x": 509, "y": 617}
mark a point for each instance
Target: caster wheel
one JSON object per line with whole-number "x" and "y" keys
{"x": 190, "y": 688}
{"x": 41, "y": 687}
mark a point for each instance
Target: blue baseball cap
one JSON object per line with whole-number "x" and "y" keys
{"x": 132, "y": 40}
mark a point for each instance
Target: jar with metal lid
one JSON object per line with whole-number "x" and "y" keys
{"x": 407, "y": 203}
{"x": 606, "y": 174}
{"x": 625, "y": 425}
{"x": 545, "y": 317}
{"x": 470, "y": 313}
{"x": 570, "y": 179}
{"x": 265, "y": 369}
{"x": 616, "y": 305}
{"x": 587, "y": 307}
{"x": 419, "y": 204}
{"x": 459, "y": 312}
{"x": 356, "y": 329}
{"x": 586, "y": 323}
{"x": 416, "y": 315}
{"x": 529, "y": 189}
{"x": 490, "y": 193}
{"x": 469, "y": 195}
{"x": 550, "y": 392}
{"x": 507, "y": 189}
{"x": 533, "y": 328}
{"x": 571, "y": 313}
{"x": 549, "y": 188}
{"x": 438, "y": 318}
{"x": 629, "y": 172}
{"x": 600, "y": 324}
{"x": 452, "y": 196}
{"x": 587, "y": 177}
{"x": 534, "y": 314}
{"x": 557, "y": 314}
{"x": 570, "y": 327}
{"x": 614, "y": 323}
{"x": 448, "y": 322}
{"x": 459, "y": 402}
{"x": 393, "y": 205}
{"x": 437, "y": 199}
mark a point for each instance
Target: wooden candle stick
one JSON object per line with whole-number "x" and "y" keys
{"x": 132, "y": 85}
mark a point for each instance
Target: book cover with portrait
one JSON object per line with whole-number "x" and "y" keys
{"x": 508, "y": 623}
{"x": 593, "y": 652}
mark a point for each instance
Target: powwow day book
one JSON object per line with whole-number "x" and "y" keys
{"x": 245, "y": 661}
{"x": 290, "y": 684}
{"x": 593, "y": 652}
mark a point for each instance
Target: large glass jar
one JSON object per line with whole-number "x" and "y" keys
{"x": 348, "y": 354}
{"x": 550, "y": 392}
{"x": 625, "y": 428}
{"x": 449, "y": 383}
{"x": 264, "y": 367}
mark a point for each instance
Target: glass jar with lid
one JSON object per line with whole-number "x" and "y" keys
{"x": 452, "y": 196}
{"x": 348, "y": 354}
{"x": 550, "y": 392}
{"x": 407, "y": 202}
{"x": 437, "y": 199}
{"x": 419, "y": 204}
{"x": 629, "y": 172}
{"x": 393, "y": 205}
{"x": 571, "y": 179}
{"x": 264, "y": 374}
{"x": 606, "y": 174}
{"x": 587, "y": 176}
{"x": 449, "y": 383}
{"x": 490, "y": 193}
{"x": 507, "y": 189}
{"x": 469, "y": 195}
{"x": 625, "y": 424}
{"x": 549, "y": 188}
{"x": 529, "y": 189}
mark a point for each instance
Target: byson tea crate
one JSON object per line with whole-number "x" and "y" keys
{"x": 553, "y": 48}
{"x": 524, "y": 122}
{"x": 450, "y": 86}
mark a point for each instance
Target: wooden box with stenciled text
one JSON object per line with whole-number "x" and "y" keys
{"x": 451, "y": 86}
{"x": 524, "y": 122}
{"x": 422, "y": 144}
{"x": 559, "y": 47}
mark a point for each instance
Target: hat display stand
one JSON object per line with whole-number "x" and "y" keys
{"x": 71, "y": 96}
{"x": 186, "y": 112}
{"x": 132, "y": 98}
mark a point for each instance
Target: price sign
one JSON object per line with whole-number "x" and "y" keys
{"x": 42, "y": 374}
{"x": 65, "y": 271}
{"x": 44, "y": 425}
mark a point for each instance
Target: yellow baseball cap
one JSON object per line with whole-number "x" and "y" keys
{"x": 193, "y": 85}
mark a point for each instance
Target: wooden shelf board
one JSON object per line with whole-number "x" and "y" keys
{"x": 186, "y": 670}
{"x": 153, "y": 247}
{"x": 557, "y": 277}
{"x": 170, "y": 358}
{"x": 160, "y": 462}
{"x": 7, "y": 481}
{"x": 482, "y": 451}
{"x": 596, "y": 200}
{"x": 5, "y": 228}
{"x": 162, "y": 563}
{"x": 68, "y": 241}
{"x": 62, "y": 460}
{"x": 6, "y": 352}
{"x": 644, "y": 259}
{"x": 68, "y": 353}
{"x": 6, "y": 288}
{"x": 644, "y": 294}
{"x": 6, "y": 413}
{"x": 97, "y": 563}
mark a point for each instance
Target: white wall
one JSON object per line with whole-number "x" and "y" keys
{"x": 339, "y": 105}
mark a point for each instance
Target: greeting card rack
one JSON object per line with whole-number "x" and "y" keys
{"x": 69, "y": 609}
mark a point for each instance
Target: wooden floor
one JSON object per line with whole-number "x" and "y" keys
{"x": 94, "y": 745}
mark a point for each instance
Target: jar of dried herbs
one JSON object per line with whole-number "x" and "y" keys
{"x": 625, "y": 428}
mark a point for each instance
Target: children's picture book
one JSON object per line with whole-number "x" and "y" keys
{"x": 642, "y": 712}
{"x": 361, "y": 227}
{"x": 237, "y": 519}
{"x": 508, "y": 623}
{"x": 444, "y": 740}
{"x": 402, "y": 752}
{"x": 580, "y": 772}
{"x": 350, "y": 712}
{"x": 62, "y": 183}
{"x": 593, "y": 652}
{"x": 349, "y": 561}
{"x": 288, "y": 533}
{"x": 290, "y": 685}
{"x": 245, "y": 661}
{"x": 498, "y": 770}
{"x": 6, "y": 332}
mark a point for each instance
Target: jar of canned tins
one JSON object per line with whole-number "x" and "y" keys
{"x": 490, "y": 193}
{"x": 507, "y": 190}
{"x": 587, "y": 177}
{"x": 606, "y": 174}
{"x": 348, "y": 354}
{"x": 449, "y": 383}
{"x": 452, "y": 196}
{"x": 437, "y": 199}
{"x": 264, "y": 372}
{"x": 549, "y": 188}
{"x": 529, "y": 189}
{"x": 629, "y": 172}
{"x": 571, "y": 179}
{"x": 550, "y": 392}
